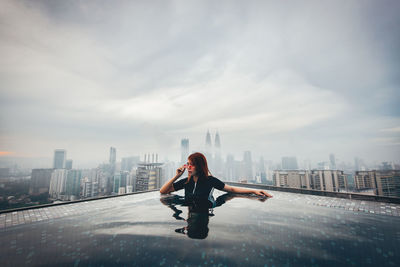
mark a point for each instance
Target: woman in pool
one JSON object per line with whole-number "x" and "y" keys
{"x": 199, "y": 185}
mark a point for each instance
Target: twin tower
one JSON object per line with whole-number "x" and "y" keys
{"x": 213, "y": 154}
{"x": 217, "y": 141}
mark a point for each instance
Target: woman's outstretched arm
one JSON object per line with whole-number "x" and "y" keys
{"x": 168, "y": 187}
{"x": 240, "y": 190}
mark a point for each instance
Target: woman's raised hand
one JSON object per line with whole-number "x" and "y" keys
{"x": 180, "y": 171}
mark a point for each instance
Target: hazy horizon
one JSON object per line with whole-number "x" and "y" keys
{"x": 304, "y": 79}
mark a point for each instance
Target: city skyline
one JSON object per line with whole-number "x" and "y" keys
{"x": 210, "y": 149}
{"x": 132, "y": 174}
{"x": 304, "y": 79}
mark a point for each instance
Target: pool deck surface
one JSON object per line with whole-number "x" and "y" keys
{"x": 149, "y": 229}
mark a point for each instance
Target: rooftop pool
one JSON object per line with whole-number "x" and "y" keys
{"x": 149, "y": 229}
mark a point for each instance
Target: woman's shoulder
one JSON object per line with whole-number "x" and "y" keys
{"x": 215, "y": 182}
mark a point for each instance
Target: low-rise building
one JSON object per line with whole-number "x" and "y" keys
{"x": 383, "y": 182}
{"x": 325, "y": 180}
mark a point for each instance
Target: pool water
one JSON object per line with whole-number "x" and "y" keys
{"x": 150, "y": 229}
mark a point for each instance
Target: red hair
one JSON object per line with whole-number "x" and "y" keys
{"x": 200, "y": 163}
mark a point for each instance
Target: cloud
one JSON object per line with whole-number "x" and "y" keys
{"x": 392, "y": 130}
{"x": 141, "y": 75}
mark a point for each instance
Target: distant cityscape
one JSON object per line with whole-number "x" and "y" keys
{"x": 132, "y": 174}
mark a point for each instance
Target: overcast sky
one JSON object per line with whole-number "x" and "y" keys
{"x": 278, "y": 78}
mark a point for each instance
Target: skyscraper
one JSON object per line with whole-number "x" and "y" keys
{"x": 60, "y": 156}
{"x": 208, "y": 151}
{"x": 148, "y": 176}
{"x": 120, "y": 182}
{"x": 40, "y": 181}
{"x": 90, "y": 188}
{"x": 113, "y": 155}
{"x": 261, "y": 176}
{"x": 73, "y": 184}
{"x": 217, "y": 168}
{"x": 230, "y": 170}
{"x": 58, "y": 184}
{"x": 184, "y": 150}
{"x": 248, "y": 165}
{"x": 208, "y": 140}
{"x": 68, "y": 164}
{"x": 217, "y": 141}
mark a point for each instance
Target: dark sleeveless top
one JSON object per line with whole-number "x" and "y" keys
{"x": 203, "y": 189}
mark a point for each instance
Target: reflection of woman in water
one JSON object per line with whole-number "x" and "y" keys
{"x": 199, "y": 185}
{"x": 198, "y": 216}
{"x": 197, "y": 221}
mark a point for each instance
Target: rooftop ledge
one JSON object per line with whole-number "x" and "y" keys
{"x": 354, "y": 196}
{"x": 147, "y": 229}
{"x": 322, "y": 193}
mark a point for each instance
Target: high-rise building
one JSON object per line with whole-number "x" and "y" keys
{"x": 90, "y": 188}
{"x": 40, "y": 181}
{"x": 73, "y": 184}
{"x": 68, "y": 164}
{"x": 247, "y": 166}
{"x": 123, "y": 182}
{"x": 208, "y": 140}
{"x": 60, "y": 156}
{"x": 131, "y": 181}
{"x": 105, "y": 179}
{"x": 208, "y": 153}
{"x": 117, "y": 182}
{"x": 208, "y": 147}
{"x": 155, "y": 177}
{"x": 169, "y": 170}
{"x": 217, "y": 141}
{"x": 289, "y": 163}
{"x": 148, "y": 176}
{"x": 261, "y": 175}
{"x": 184, "y": 150}
{"x": 113, "y": 155}
{"x": 58, "y": 184}
{"x": 142, "y": 178}
{"x": 217, "y": 162}
{"x": 91, "y": 182}
{"x": 230, "y": 170}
